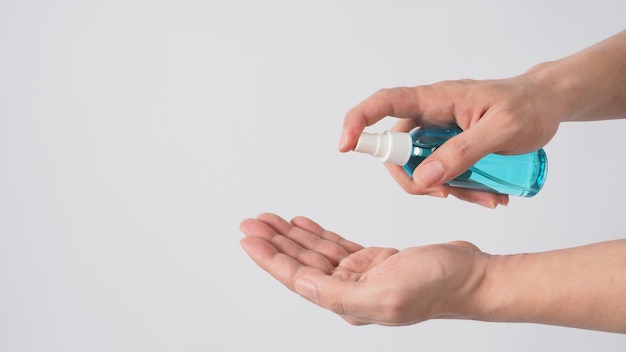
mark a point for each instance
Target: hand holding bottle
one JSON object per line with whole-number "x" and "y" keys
{"x": 496, "y": 117}
{"x": 506, "y": 116}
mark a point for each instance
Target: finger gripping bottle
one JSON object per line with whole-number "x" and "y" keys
{"x": 519, "y": 175}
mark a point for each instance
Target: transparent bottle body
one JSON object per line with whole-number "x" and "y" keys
{"x": 520, "y": 175}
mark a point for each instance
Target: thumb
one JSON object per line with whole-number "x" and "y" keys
{"x": 452, "y": 158}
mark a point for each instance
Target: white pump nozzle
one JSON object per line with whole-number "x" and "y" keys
{"x": 389, "y": 147}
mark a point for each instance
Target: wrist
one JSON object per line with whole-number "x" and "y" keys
{"x": 469, "y": 300}
{"x": 576, "y": 287}
{"x": 560, "y": 91}
{"x": 588, "y": 85}
{"x": 492, "y": 301}
{"x": 517, "y": 289}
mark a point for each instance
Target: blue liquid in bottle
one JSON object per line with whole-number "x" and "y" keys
{"x": 520, "y": 175}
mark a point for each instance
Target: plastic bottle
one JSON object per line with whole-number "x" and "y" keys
{"x": 520, "y": 175}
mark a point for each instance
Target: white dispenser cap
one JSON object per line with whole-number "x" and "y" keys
{"x": 389, "y": 147}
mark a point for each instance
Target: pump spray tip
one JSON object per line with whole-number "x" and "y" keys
{"x": 389, "y": 147}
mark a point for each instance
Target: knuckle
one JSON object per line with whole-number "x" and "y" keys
{"x": 459, "y": 148}
{"x": 383, "y": 92}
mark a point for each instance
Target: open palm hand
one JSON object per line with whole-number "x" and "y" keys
{"x": 365, "y": 285}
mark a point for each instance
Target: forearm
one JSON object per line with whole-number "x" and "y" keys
{"x": 583, "y": 287}
{"x": 591, "y": 83}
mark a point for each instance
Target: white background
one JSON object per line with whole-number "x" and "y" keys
{"x": 136, "y": 135}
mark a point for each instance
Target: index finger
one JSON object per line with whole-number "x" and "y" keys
{"x": 397, "y": 102}
{"x": 281, "y": 266}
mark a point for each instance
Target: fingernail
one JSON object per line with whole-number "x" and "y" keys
{"x": 437, "y": 194}
{"x": 487, "y": 204}
{"x": 307, "y": 289}
{"x": 342, "y": 143}
{"x": 429, "y": 174}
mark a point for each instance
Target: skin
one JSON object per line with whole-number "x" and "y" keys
{"x": 580, "y": 287}
{"x": 507, "y": 116}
